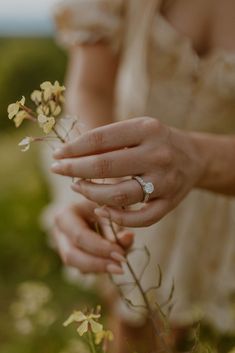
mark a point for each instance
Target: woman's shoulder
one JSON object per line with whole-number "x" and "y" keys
{"x": 89, "y": 21}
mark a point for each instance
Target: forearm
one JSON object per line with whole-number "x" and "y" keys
{"x": 217, "y": 154}
{"x": 91, "y": 85}
{"x": 94, "y": 109}
{"x": 91, "y": 107}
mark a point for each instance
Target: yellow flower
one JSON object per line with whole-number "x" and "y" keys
{"x": 36, "y": 96}
{"x": 232, "y": 351}
{"x": 86, "y": 322}
{"x": 25, "y": 143}
{"x": 43, "y": 109}
{"x": 47, "y": 90}
{"x": 14, "y": 108}
{"x": 50, "y": 90}
{"x": 54, "y": 108}
{"x": 46, "y": 123}
{"x": 57, "y": 89}
{"x": 103, "y": 335}
{"x": 20, "y": 117}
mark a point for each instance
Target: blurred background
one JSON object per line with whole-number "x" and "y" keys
{"x": 35, "y": 296}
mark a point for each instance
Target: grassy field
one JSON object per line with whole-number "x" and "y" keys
{"x": 24, "y": 253}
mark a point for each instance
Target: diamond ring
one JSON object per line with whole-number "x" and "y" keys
{"x": 148, "y": 188}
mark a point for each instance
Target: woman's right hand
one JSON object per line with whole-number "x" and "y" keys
{"x": 82, "y": 247}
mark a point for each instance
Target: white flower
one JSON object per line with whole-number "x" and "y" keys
{"x": 25, "y": 143}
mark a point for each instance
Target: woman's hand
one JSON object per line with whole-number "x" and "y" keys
{"x": 79, "y": 244}
{"x": 167, "y": 157}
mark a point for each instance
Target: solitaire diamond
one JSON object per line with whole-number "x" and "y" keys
{"x": 149, "y": 188}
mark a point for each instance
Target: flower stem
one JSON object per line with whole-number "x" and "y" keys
{"x": 91, "y": 342}
{"x": 151, "y": 314}
{"x": 31, "y": 113}
{"x": 58, "y": 135}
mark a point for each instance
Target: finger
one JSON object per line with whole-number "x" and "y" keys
{"x": 107, "y": 138}
{"x": 146, "y": 216}
{"x": 121, "y": 194}
{"x": 126, "y": 238}
{"x": 85, "y": 238}
{"x": 86, "y": 263}
{"x": 108, "y": 230}
{"x": 114, "y": 164}
{"x": 123, "y": 237}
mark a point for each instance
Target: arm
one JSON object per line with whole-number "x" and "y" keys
{"x": 91, "y": 84}
{"x": 218, "y": 156}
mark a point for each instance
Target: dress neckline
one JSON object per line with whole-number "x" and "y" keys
{"x": 216, "y": 52}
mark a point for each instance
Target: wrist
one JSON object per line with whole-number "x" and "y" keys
{"x": 201, "y": 157}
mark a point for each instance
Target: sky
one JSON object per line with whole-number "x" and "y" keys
{"x": 26, "y": 17}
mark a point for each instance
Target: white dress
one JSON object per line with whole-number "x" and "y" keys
{"x": 161, "y": 76}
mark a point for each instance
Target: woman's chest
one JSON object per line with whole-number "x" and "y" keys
{"x": 208, "y": 24}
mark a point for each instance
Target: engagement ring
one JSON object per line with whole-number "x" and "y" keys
{"x": 148, "y": 188}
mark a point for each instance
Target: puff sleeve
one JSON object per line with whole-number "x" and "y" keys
{"x": 89, "y": 21}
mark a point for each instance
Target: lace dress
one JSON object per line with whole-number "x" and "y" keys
{"x": 161, "y": 76}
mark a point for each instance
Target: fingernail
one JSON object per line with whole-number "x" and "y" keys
{"x": 58, "y": 152}
{"x": 118, "y": 257}
{"x": 101, "y": 212}
{"x": 55, "y": 166}
{"x": 115, "y": 269}
{"x": 76, "y": 185}
{"x": 125, "y": 233}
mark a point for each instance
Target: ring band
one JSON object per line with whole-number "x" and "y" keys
{"x": 148, "y": 188}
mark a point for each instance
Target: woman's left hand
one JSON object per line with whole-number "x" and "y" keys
{"x": 167, "y": 157}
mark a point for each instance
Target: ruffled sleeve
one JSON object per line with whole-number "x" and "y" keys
{"x": 89, "y": 21}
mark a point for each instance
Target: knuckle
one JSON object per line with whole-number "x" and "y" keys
{"x": 119, "y": 199}
{"x": 150, "y": 124}
{"x": 102, "y": 167}
{"x": 95, "y": 139}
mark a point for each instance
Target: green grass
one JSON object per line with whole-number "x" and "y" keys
{"x": 24, "y": 253}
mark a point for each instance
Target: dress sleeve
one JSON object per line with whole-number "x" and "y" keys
{"x": 89, "y": 21}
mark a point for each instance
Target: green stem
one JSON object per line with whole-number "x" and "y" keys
{"x": 91, "y": 343}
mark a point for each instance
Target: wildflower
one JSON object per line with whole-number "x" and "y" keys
{"x": 25, "y": 143}
{"x": 43, "y": 109}
{"x": 103, "y": 336}
{"x": 50, "y": 90}
{"x": 54, "y": 108}
{"x": 14, "y": 108}
{"x": 20, "y": 117}
{"x": 36, "y": 96}
{"x": 86, "y": 322}
{"x": 46, "y": 123}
